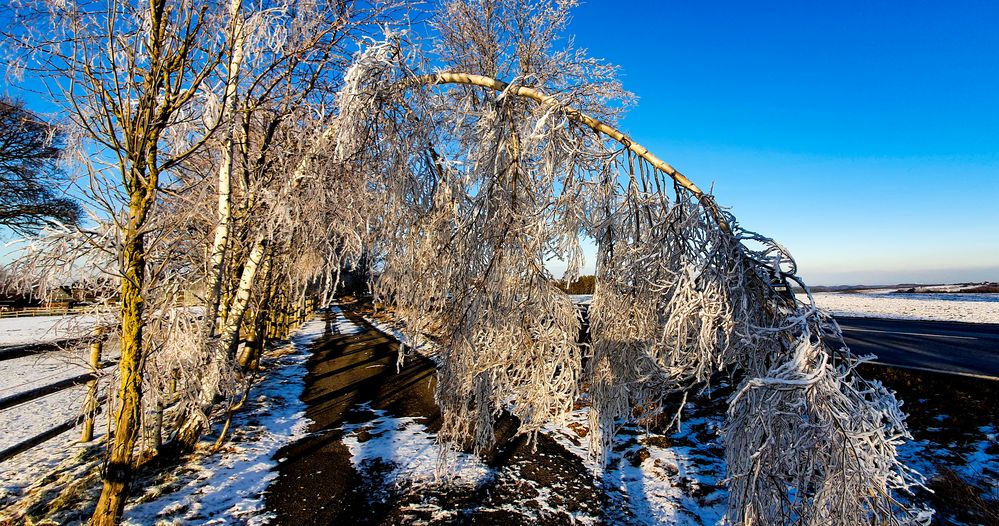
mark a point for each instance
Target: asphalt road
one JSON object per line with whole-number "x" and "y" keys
{"x": 955, "y": 347}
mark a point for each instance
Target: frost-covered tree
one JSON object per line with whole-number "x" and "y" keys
{"x": 194, "y": 126}
{"x": 128, "y": 76}
{"x": 499, "y": 162}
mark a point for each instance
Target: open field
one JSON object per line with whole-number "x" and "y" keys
{"x": 884, "y": 303}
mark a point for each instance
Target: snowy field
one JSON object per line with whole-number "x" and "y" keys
{"x": 41, "y": 329}
{"x": 26, "y": 420}
{"x": 971, "y": 308}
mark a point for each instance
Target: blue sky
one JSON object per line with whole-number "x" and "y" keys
{"x": 862, "y": 135}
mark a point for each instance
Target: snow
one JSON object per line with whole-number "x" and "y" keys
{"x": 581, "y": 299}
{"x": 420, "y": 345}
{"x": 650, "y": 478}
{"x": 412, "y": 452}
{"x": 977, "y": 458}
{"x": 35, "y": 417}
{"x": 26, "y": 420}
{"x": 41, "y": 329}
{"x": 21, "y": 472}
{"x": 27, "y": 372}
{"x": 973, "y": 308}
{"x": 655, "y": 478}
{"x": 227, "y": 487}
{"x": 674, "y": 477}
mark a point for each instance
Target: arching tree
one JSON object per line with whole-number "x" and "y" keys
{"x": 485, "y": 180}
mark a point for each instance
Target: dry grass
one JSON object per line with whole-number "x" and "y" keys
{"x": 969, "y": 503}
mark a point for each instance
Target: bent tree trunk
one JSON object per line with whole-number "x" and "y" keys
{"x": 196, "y": 421}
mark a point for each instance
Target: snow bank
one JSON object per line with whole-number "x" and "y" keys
{"x": 973, "y": 308}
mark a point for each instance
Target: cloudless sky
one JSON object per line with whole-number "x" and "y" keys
{"x": 864, "y": 136}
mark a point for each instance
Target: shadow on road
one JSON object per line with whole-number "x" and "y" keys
{"x": 318, "y": 484}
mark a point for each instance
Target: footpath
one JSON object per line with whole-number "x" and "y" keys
{"x": 352, "y": 379}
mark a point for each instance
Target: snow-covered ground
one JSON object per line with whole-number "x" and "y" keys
{"x": 35, "y": 417}
{"x": 412, "y": 452}
{"x": 27, "y": 372}
{"x": 655, "y": 478}
{"x": 40, "y": 329}
{"x": 973, "y": 308}
{"x": 213, "y": 488}
{"x": 227, "y": 487}
{"x": 649, "y": 478}
{"x": 886, "y": 303}
{"x": 21, "y": 473}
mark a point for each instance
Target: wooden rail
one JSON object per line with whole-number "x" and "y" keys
{"x": 91, "y": 406}
{"x": 43, "y": 311}
{"x": 33, "y": 394}
{"x": 45, "y": 436}
{"x": 20, "y": 351}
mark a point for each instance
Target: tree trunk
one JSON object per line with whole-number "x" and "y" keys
{"x": 230, "y": 333}
{"x": 118, "y": 465}
{"x": 221, "y": 241}
{"x": 197, "y": 421}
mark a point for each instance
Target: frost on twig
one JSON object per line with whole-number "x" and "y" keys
{"x": 480, "y": 189}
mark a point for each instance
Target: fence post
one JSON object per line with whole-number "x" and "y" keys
{"x": 90, "y": 405}
{"x": 158, "y": 426}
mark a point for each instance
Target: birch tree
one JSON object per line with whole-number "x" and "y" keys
{"x": 286, "y": 64}
{"x": 499, "y": 162}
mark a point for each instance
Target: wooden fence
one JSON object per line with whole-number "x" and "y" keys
{"x": 92, "y": 404}
{"x": 43, "y": 311}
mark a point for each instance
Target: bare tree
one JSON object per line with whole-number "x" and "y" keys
{"x": 129, "y": 75}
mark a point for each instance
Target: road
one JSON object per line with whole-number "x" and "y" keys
{"x": 963, "y": 348}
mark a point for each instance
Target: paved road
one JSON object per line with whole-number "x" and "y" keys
{"x": 964, "y": 348}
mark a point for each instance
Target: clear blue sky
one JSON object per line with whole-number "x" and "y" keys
{"x": 862, "y": 135}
